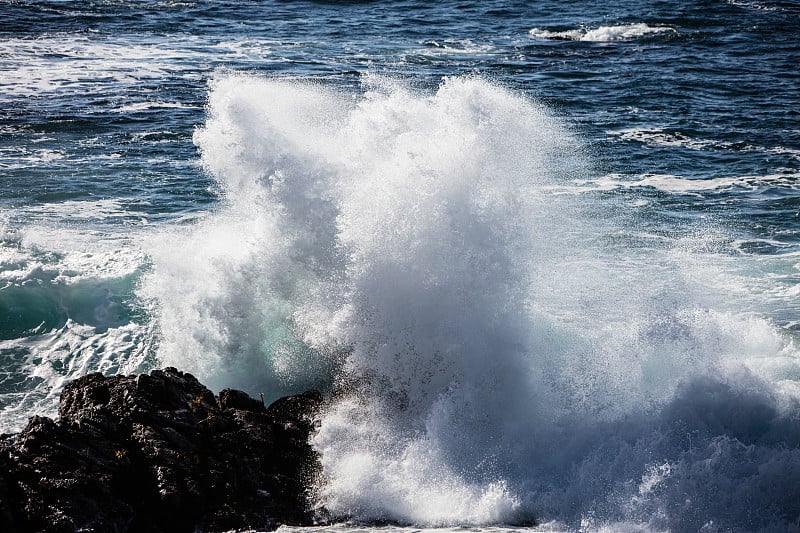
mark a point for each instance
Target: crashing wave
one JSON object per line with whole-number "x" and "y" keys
{"x": 495, "y": 351}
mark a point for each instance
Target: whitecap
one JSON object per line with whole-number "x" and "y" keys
{"x": 623, "y": 32}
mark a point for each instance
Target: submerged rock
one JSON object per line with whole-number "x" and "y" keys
{"x": 159, "y": 452}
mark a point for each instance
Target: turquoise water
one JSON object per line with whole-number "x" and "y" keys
{"x": 545, "y": 255}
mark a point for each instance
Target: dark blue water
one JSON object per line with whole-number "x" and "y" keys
{"x": 581, "y": 222}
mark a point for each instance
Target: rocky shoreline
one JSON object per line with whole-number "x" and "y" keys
{"x": 160, "y": 452}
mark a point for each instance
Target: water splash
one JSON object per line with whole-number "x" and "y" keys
{"x": 495, "y": 350}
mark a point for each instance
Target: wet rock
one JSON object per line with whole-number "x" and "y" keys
{"x": 159, "y": 452}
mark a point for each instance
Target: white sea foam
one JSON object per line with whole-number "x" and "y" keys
{"x": 497, "y": 352}
{"x": 62, "y": 253}
{"x": 47, "y": 65}
{"x": 42, "y": 252}
{"x": 84, "y": 211}
{"x": 20, "y": 158}
{"x": 622, "y": 32}
{"x": 681, "y": 185}
{"x": 789, "y": 7}
{"x": 85, "y": 64}
{"x": 659, "y": 137}
{"x": 51, "y": 359}
{"x": 455, "y": 46}
{"x": 64, "y": 297}
{"x": 143, "y": 106}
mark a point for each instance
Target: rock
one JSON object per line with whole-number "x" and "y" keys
{"x": 159, "y": 452}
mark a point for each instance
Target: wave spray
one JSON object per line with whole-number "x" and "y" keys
{"x": 498, "y": 342}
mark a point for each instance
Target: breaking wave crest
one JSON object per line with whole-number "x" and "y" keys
{"x": 495, "y": 352}
{"x": 602, "y": 34}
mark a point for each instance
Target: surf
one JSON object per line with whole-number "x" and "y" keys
{"x": 499, "y": 345}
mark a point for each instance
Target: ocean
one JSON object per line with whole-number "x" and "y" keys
{"x": 544, "y": 257}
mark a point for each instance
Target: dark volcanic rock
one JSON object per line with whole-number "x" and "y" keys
{"x": 159, "y": 452}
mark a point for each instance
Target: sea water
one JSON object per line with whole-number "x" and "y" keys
{"x": 544, "y": 258}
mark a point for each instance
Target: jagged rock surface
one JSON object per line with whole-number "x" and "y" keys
{"x": 159, "y": 452}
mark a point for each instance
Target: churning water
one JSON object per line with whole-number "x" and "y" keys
{"x": 543, "y": 258}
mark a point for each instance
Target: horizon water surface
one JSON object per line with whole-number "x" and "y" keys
{"x": 544, "y": 257}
